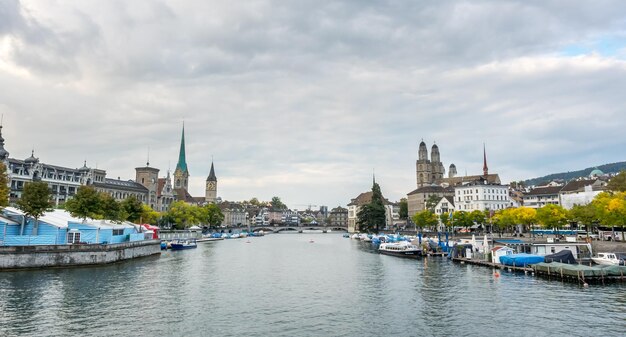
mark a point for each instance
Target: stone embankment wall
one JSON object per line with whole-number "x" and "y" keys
{"x": 608, "y": 247}
{"x": 21, "y": 257}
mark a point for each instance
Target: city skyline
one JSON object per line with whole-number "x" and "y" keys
{"x": 303, "y": 101}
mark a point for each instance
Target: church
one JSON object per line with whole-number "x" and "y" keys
{"x": 431, "y": 182}
{"x": 181, "y": 180}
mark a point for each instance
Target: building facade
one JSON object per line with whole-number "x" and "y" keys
{"x": 338, "y": 217}
{"x": 481, "y": 196}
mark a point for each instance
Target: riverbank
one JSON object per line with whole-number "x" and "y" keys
{"x": 55, "y": 256}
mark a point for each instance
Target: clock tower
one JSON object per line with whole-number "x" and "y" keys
{"x": 211, "y": 186}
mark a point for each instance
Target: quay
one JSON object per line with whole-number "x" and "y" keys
{"x": 50, "y": 256}
{"x": 560, "y": 271}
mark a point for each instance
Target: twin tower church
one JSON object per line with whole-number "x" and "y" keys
{"x": 181, "y": 179}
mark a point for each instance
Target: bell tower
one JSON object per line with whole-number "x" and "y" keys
{"x": 211, "y": 186}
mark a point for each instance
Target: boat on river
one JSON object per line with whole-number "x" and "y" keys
{"x": 400, "y": 249}
{"x": 183, "y": 244}
{"x": 606, "y": 259}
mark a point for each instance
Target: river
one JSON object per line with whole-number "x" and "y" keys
{"x": 284, "y": 285}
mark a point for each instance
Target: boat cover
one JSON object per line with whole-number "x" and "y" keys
{"x": 564, "y": 256}
{"x": 520, "y": 260}
{"x": 614, "y": 270}
{"x": 557, "y": 268}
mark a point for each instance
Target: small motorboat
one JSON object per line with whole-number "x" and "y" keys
{"x": 608, "y": 259}
{"x": 183, "y": 244}
{"x": 163, "y": 245}
{"x": 400, "y": 249}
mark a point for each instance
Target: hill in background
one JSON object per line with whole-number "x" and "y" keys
{"x": 606, "y": 168}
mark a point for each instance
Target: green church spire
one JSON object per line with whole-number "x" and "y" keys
{"x": 182, "y": 160}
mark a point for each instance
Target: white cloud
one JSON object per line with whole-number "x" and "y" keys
{"x": 303, "y": 100}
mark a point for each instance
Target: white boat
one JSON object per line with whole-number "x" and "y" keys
{"x": 606, "y": 259}
{"x": 355, "y": 236}
{"x": 401, "y": 249}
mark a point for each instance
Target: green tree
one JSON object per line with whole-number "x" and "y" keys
{"x": 132, "y": 209}
{"x": 432, "y": 202}
{"x": 477, "y": 217}
{"x": 404, "y": 209}
{"x": 552, "y": 216}
{"x": 617, "y": 183}
{"x": 611, "y": 209}
{"x": 254, "y": 201}
{"x": 4, "y": 186}
{"x": 213, "y": 215}
{"x": 584, "y": 215}
{"x": 86, "y": 203}
{"x": 148, "y": 215}
{"x": 425, "y": 219}
{"x": 462, "y": 219}
{"x": 181, "y": 214}
{"x": 525, "y": 216}
{"x": 35, "y": 201}
{"x": 446, "y": 219}
{"x": 277, "y": 205}
{"x": 110, "y": 208}
{"x": 371, "y": 217}
{"x": 503, "y": 220}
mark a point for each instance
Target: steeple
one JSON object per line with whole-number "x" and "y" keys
{"x": 485, "y": 169}
{"x": 4, "y": 154}
{"x": 182, "y": 160}
{"x": 212, "y": 176}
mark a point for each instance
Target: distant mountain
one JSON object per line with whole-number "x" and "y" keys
{"x": 606, "y": 168}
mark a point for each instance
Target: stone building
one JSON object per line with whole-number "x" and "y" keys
{"x": 338, "y": 217}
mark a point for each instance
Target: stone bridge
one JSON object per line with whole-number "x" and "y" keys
{"x": 292, "y": 229}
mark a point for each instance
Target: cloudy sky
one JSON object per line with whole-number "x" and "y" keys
{"x": 304, "y": 99}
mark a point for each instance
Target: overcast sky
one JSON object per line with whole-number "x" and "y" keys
{"x": 304, "y": 99}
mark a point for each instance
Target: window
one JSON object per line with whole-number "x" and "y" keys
{"x": 73, "y": 237}
{"x": 117, "y": 232}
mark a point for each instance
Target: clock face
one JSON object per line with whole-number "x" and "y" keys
{"x": 211, "y": 185}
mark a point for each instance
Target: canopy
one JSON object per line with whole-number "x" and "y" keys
{"x": 564, "y": 256}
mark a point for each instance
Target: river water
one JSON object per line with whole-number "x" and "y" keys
{"x": 284, "y": 285}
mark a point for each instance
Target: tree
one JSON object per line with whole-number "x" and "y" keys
{"x": 404, "y": 209}
{"x": 525, "y": 216}
{"x": 611, "y": 209}
{"x": 432, "y": 202}
{"x": 462, "y": 219}
{"x": 4, "y": 186}
{"x": 86, "y": 203}
{"x": 35, "y": 201}
{"x": 371, "y": 217}
{"x": 213, "y": 215}
{"x": 503, "y": 219}
{"x": 552, "y": 216}
{"x": 148, "y": 215}
{"x": 584, "y": 215}
{"x": 277, "y": 204}
{"x": 477, "y": 217}
{"x": 132, "y": 209}
{"x": 446, "y": 219}
{"x": 110, "y": 208}
{"x": 181, "y": 214}
{"x": 254, "y": 201}
{"x": 425, "y": 219}
{"x": 617, "y": 183}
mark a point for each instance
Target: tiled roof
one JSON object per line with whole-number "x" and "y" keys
{"x": 545, "y": 190}
{"x": 491, "y": 178}
{"x": 121, "y": 184}
{"x": 432, "y": 189}
{"x": 365, "y": 198}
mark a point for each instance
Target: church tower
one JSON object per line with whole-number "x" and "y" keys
{"x": 437, "y": 165}
{"x": 211, "y": 186}
{"x": 181, "y": 174}
{"x": 452, "y": 171}
{"x": 485, "y": 168}
{"x": 148, "y": 177}
{"x": 423, "y": 167}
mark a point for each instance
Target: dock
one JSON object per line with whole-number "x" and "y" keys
{"x": 492, "y": 265}
{"x": 558, "y": 271}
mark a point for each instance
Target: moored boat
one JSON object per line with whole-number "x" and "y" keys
{"x": 606, "y": 259}
{"x": 400, "y": 249}
{"x": 183, "y": 244}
